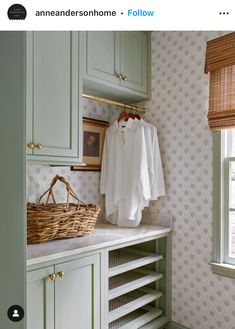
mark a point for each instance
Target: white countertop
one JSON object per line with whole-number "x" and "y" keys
{"x": 104, "y": 235}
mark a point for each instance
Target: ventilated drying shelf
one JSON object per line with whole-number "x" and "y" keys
{"x": 131, "y": 301}
{"x": 124, "y": 260}
{"x": 136, "y": 319}
{"x": 129, "y": 281}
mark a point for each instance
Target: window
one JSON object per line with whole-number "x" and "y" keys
{"x": 220, "y": 64}
{"x": 228, "y": 140}
{"x": 224, "y": 203}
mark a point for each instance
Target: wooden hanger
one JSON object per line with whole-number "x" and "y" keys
{"x": 123, "y": 116}
{"x": 131, "y": 115}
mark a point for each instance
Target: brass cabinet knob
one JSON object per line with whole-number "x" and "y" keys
{"x": 61, "y": 274}
{"x": 119, "y": 76}
{"x": 52, "y": 277}
{"x": 39, "y": 146}
{"x": 31, "y": 146}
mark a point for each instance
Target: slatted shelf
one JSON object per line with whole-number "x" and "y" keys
{"x": 136, "y": 319}
{"x": 156, "y": 323}
{"x": 131, "y": 301}
{"x": 129, "y": 281}
{"x": 124, "y": 260}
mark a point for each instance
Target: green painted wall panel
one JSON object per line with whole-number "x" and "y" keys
{"x": 12, "y": 175}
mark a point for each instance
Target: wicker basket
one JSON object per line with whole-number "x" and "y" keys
{"x": 65, "y": 220}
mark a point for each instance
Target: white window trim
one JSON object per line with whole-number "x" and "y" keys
{"x": 221, "y": 264}
{"x": 227, "y": 204}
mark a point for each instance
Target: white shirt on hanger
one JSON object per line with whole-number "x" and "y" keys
{"x": 125, "y": 174}
{"x": 154, "y": 160}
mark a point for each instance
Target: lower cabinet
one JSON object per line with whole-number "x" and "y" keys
{"x": 65, "y": 296}
{"x": 40, "y": 299}
{"x": 125, "y": 286}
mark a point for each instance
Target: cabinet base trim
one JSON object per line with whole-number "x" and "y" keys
{"x": 175, "y": 325}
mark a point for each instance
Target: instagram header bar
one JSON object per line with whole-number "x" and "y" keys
{"x": 121, "y": 15}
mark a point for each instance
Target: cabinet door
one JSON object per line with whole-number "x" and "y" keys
{"x": 40, "y": 299}
{"x": 55, "y": 93}
{"x": 134, "y": 60}
{"x": 103, "y": 55}
{"x": 77, "y": 294}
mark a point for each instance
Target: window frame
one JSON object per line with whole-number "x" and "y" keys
{"x": 227, "y": 204}
{"x": 221, "y": 263}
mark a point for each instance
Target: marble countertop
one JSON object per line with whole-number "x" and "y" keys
{"x": 104, "y": 235}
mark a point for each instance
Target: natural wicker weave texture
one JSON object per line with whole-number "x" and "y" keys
{"x": 65, "y": 220}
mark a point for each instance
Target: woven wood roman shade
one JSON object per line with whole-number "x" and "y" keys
{"x": 220, "y": 62}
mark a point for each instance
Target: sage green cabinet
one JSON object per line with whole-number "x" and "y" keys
{"x": 40, "y": 299}
{"x": 65, "y": 295}
{"x": 123, "y": 285}
{"x": 134, "y": 61}
{"x": 53, "y": 118}
{"x": 117, "y": 64}
{"x": 102, "y": 55}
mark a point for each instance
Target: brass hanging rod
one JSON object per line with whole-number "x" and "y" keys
{"x": 116, "y": 103}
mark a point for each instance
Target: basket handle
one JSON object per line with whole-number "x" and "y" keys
{"x": 68, "y": 188}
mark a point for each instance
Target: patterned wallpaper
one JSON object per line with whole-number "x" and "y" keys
{"x": 200, "y": 299}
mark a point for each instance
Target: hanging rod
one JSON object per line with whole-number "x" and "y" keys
{"x": 116, "y": 103}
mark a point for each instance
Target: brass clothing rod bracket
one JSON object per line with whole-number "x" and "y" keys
{"x": 116, "y": 103}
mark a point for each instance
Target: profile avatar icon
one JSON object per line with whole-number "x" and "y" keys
{"x": 15, "y": 314}
{"x": 17, "y": 12}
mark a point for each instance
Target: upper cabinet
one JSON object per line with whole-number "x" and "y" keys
{"x": 53, "y": 89}
{"x": 117, "y": 65}
{"x": 59, "y": 65}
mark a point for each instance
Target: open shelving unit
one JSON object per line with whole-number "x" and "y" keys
{"x": 126, "y": 282}
{"x": 137, "y": 318}
{"x": 137, "y": 285}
